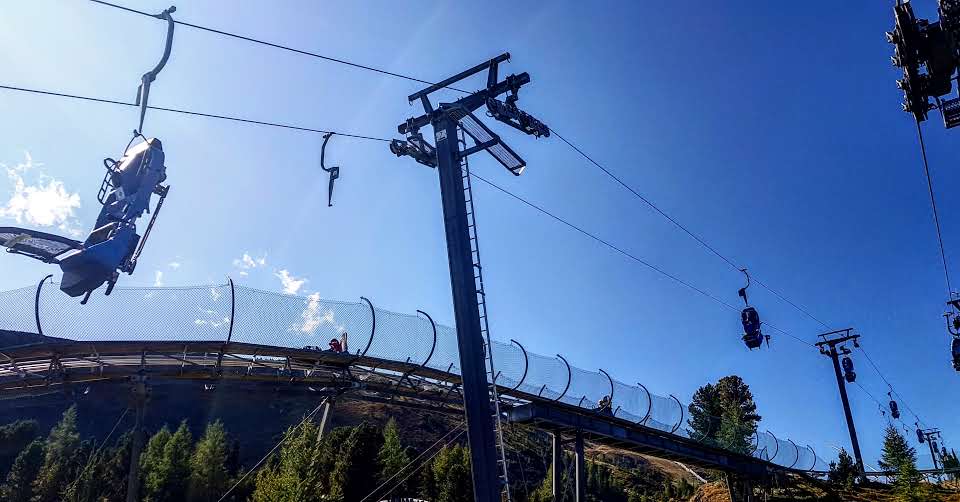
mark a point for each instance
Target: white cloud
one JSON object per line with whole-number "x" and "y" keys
{"x": 44, "y": 202}
{"x": 213, "y": 318}
{"x": 174, "y": 265}
{"x": 158, "y": 279}
{"x": 291, "y": 285}
{"x": 313, "y": 318}
{"x": 247, "y": 262}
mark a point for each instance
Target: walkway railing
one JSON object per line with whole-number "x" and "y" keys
{"x": 203, "y": 313}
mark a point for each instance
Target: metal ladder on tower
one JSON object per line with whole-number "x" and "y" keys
{"x": 484, "y": 326}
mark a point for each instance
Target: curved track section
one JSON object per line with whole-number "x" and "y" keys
{"x": 183, "y": 333}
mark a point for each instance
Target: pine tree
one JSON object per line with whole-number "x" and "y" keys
{"x": 18, "y": 486}
{"x": 150, "y": 460}
{"x": 393, "y": 458}
{"x": 208, "y": 469}
{"x": 724, "y": 414}
{"x": 705, "y": 411}
{"x": 59, "y": 462}
{"x": 168, "y": 476}
{"x": 103, "y": 475}
{"x": 451, "y": 469}
{"x": 296, "y": 473}
{"x": 428, "y": 484}
{"x": 843, "y": 472}
{"x": 901, "y": 458}
{"x": 355, "y": 472}
{"x": 14, "y": 437}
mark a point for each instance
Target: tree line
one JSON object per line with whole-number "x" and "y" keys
{"x": 346, "y": 464}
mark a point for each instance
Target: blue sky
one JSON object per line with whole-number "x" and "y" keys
{"x": 773, "y": 130}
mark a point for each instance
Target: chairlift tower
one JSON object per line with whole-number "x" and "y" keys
{"x": 828, "y": 346}
{"x": 931, "y": 436}
{"x": 477, "y": 371}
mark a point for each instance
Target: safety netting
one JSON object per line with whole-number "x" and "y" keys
{"x": 242, "y": 314}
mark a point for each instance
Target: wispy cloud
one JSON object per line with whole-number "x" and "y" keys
{"x": 291, "y": 285}
{"x": 174, "y": 265}
{"x": 313, "y": 318}
{"x": 158, "y": 279}
{"x": 43, "y": 201}
{"x": 247, "y": 262}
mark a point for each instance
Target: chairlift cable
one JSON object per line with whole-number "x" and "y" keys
{"x": 892, "y": 389}
{"x": 96, "y": 453}
{"x": 680, "y": 226}
{"x": 422, "y": 464}
{"x": 625, "y": 253}
{"x": 414, "y": 79}
{"x": 373, "y": 138}
{"x": 278, "y": 46}
{"x": 269, "y": 453}
{"x": 933, "y": 204}
{"x": 191, "y": 112}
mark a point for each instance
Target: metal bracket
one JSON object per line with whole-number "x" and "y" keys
{"x": 569, "y": 378}
{"x": 649, "y": 404}
{"x": 675, "y": 427}
{"x": 143, "y": 92}
{"x": 334, "y": 171}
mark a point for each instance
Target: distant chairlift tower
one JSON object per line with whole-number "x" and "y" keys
{"x": 478, "y": 374}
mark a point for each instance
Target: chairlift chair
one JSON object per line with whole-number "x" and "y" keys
{"x": 955, "y": 351}
{"x": 848, "y": 374}
{"x": 750, "y": 318}
{"x": 894, "y": 409}
{"x": 113, "y": 246}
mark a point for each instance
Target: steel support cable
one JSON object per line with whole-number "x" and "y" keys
{"x": 189, "y": 112}
{"x": 411, "y": 462}
{"x": 571, "y": 145}
{"x": 372, "y": 138}
{"x": 269, "y": 453}
{"x": 407, "y": 77}
{"x": 892, "y": 390}
{"x": 680, "y": 226}
{"x": 97, "y": 452}
{"x": 625, "y": 253}
{"x": 278, "y": 46}
{"x": 933, "y": 204}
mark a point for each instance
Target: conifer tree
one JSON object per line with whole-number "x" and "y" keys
{"x": 724, "y": 414}
{"x": 295, "y": 474}
{"x": 208, "y": 466}
{"x": 844, "y": 471}
{"x": 392, "y": 458}
{"x": 14, "y": 437}
{"x": 355, "y": 472}
{"x": 150, "y": 461}
{"x": 901, "y": 458}
{"x": 18, "y": 486}
{"x": 60, "y": 459}
{"x": 451, "y": 469}
{"x": 168, "y": 477}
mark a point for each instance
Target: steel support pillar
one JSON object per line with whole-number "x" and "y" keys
{"x": 828, "y": 347}
{"x": 851, "y": 428}
{"x": 476, "y": 398}
{"x": 581, "y": 463}
{"x": 739, "y": 490}
{"x": 325, "y": 418}
{"x": 138, "y": 397}
{"x": 555, "y": 475}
